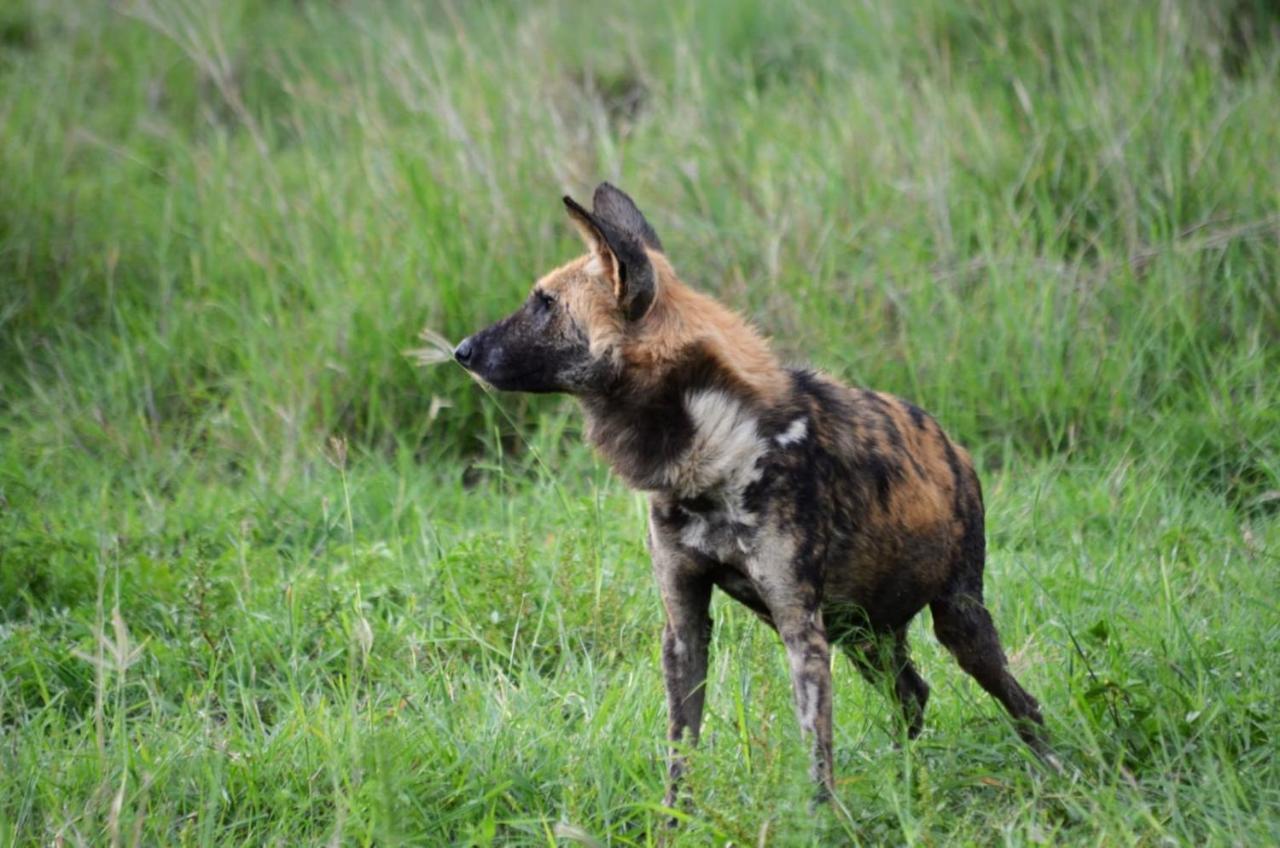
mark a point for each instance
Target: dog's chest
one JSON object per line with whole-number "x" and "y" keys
{"x": 709, "y": 483}
{"x": 714, "y": 487}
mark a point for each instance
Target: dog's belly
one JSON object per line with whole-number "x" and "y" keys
{"x": 879, "y": 576}
{"x": 880, "y": 595}
{"x": 883, "y": 583}
{"x": 738, "y": 586}
{"x": 883, "y": 606}
{"x": 847, "y": 608}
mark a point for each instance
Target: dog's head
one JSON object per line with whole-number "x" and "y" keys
{"x": 566, "y": 336}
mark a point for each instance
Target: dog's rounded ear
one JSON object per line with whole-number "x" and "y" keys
{"x": 622, "y": 259}
{"x": 594, "y": 239}
{"x": 613, "y": 205}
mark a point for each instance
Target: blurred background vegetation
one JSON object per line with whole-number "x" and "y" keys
{"x": 1055, "y": 225}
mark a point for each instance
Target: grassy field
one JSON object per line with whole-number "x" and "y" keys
{"x": 264, "y": 581}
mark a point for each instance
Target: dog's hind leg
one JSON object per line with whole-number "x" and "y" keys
{"x": 964, "y": 626}
{"x": 885, "y": 656}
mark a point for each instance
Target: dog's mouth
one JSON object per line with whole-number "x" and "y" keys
{"x": 501, "y": 380}
{"x": 496, "y": 369}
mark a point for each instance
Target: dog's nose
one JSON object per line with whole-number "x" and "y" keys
{"x": 463, "y": 351}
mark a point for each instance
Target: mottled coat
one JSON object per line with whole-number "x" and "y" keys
{"x": 834, "y": 513}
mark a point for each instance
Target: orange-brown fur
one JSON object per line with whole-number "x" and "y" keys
{"x": 680, "y": 316}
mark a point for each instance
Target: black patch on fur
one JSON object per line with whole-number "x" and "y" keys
{"x": 811, "y": 520}
{"x": 874, "y": 399}
{"x": 886, "y": 422}
{"x": 820, "y": 393}
{"x": 699, "y": 505}
{"x": 957, "y": 473}
{"x": 883, "y": 471}
{"x": 643, "y": 435}
{"x": 918, "y": 416}
{"x": 966, "y": 575}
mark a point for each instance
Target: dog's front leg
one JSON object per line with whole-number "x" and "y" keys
{"x": 686, "y": 638}
{"x": 809, "y": 656}
{"x": 795, "y": 607}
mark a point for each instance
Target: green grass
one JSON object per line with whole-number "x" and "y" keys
{"x": 264, "y": 581}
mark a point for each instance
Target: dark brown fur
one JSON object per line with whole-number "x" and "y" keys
{"x": 835, "y": 514}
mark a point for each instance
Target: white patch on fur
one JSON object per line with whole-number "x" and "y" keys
{"x": 771, "y": 564}
{"x": 793, "y": 435}
{"x": 721, "y": 462}
{"x": 594, "y": 266}
{"x": 726, "y": 446}
{"x": 694, "y": 534}
{"x": 808, "y": 707}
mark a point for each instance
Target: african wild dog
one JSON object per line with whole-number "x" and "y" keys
{"x": 835, "y": 514}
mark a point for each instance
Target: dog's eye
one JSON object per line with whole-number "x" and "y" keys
{"x": 545, "y": 301}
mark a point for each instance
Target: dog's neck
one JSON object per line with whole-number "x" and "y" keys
{"x": 696, "y": 430}
{"x": 693, "y": 381}
{"x": 685, "y": 324}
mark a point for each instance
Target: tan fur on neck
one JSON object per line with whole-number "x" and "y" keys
{"x": 681, "y": 317}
